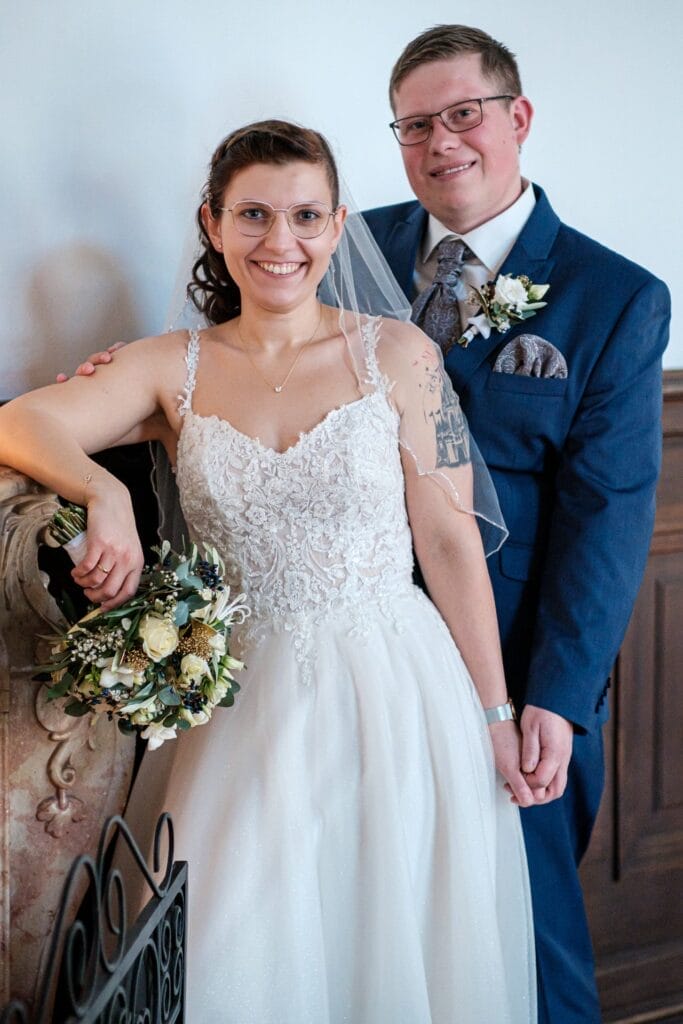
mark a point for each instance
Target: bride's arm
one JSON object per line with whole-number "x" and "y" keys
{"x": 49, "y": 435}
{"x": 438, "y": 474}
{"x": 450, "y": 554}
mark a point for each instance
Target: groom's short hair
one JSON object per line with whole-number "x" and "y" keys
{"x": 445, "y": 41}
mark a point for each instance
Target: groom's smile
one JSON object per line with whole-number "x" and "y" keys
{"x": 463, "y": 178}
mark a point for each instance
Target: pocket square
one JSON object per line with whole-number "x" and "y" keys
{"x": 531, "y": 356}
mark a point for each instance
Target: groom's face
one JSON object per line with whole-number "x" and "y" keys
{"x": 463, "y": 178}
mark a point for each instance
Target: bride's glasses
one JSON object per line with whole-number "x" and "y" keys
{"x": 255, "y": 218}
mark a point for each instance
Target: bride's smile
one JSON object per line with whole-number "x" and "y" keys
{"x": 277, "y": 230}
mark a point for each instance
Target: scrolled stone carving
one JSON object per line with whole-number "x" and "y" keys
{"x": 60, "y": 776}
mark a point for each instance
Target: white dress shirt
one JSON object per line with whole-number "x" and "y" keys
{"x": 490, "y": 243}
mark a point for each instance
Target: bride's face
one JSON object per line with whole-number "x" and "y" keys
{"x": 277, "y": 270}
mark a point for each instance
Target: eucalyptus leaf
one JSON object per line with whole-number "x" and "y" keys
{"x": 182, "y": 613}
{"x": 59, "y": 689}
{"x": 169, "y": 697}
{"x": 76, "y": 709}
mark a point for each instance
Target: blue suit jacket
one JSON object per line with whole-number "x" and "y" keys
{"x": 574, "y": 461}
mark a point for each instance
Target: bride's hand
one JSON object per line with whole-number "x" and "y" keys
{"x": 507, "y": 749}
{"x": 110, "y": 571}
{"x": 96, "y": 359}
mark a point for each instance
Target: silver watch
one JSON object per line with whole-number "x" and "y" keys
{"x": 501, "y": 713}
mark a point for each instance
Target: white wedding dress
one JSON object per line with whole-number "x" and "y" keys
{"x": 353, "y": 857}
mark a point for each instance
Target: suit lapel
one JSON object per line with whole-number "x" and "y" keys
{"x": 401, "y": 248}
{"x": 530, "y": 255}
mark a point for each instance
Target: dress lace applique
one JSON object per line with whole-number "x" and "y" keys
{"x": 312, "y": 532}
{"x": 192, "y": 362}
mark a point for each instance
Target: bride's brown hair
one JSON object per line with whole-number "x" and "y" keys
{"x": 212, "y": 289}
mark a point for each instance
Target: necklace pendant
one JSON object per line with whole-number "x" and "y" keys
{"x": 277, "y": 389}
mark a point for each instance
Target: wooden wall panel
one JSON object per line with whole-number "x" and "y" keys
{"x": 633, "y": 873}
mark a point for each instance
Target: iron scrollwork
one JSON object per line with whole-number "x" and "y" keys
{"x": 100, "y": 970}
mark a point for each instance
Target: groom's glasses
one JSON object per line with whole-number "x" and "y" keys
{"x": 255, "y": 218}
{"x": 459, "y": 117}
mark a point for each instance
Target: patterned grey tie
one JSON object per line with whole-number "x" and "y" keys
{"x": 435, "y": 309}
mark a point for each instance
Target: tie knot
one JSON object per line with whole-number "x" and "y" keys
{"x": 451, "y": 254}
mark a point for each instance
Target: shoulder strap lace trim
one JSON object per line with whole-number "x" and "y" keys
{"x": 370, "y": 334}
{"x": 191, "y": 361}
{"x": 370, "y": 329}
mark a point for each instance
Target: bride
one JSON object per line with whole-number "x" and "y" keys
{"x": 354, "y": 856}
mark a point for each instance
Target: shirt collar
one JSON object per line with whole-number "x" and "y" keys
{"x": 492, "y": 241}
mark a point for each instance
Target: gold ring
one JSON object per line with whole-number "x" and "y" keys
{"x": 102, "y": 569}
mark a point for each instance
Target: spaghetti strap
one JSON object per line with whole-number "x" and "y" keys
{"x": 191, "y": 361}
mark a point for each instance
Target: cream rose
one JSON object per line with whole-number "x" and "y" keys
{"x": 193, "y": 668}
{"x": 159, "y": 636}
{"x": 510, "y": 292}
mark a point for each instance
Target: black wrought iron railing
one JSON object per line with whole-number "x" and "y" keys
{"x": 100, "y": 969}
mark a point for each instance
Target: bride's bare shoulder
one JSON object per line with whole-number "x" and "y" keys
{"x": 163, "y": 353}
{"x": 402, "y": 345}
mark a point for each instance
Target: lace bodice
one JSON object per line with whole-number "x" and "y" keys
{"x": 305, "y": 531}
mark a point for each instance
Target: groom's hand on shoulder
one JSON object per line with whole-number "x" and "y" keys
{"x": 96, "y": 359}
{"x": 546, "y": 751}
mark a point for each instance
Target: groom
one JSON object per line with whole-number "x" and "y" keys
{"x": 566, "y": 411}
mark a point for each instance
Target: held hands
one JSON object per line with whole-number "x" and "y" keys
{"x": 507, "y": 751}
{"x": 533, "y": 762}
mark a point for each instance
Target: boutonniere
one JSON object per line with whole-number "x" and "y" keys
{"x": 506, "y": 301}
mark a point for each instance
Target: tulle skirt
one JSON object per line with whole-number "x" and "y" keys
{"x": 353, "y": 856}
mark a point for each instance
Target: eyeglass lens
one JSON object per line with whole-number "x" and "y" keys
{"x": 457, "y": 118}
{"x": 305, "y": 220}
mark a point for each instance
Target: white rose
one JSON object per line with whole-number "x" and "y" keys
{"x": 157, "y": 734}
{"x": 193, "y": 668}
{"x": 509, "y": 292}
{"x": 159, "y": 636}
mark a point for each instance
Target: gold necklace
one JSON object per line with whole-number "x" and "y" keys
{"x": 277, "y": 388}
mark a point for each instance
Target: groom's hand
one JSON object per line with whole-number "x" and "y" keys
{"x": 88, "y": 367}
{"x": 546, "y": 751}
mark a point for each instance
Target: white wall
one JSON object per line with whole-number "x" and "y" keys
{"x": 109, "y": 113}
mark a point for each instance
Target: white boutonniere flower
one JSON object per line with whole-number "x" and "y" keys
{"x": 502, "y": 303}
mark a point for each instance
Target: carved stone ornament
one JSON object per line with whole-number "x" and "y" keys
{"x": 61, "y": 777}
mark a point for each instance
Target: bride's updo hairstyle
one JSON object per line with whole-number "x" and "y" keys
{"x": 212, "y": 289}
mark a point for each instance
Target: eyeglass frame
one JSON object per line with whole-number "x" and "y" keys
{"x": 279, "y": 209}
{"x": 481, "y": 100}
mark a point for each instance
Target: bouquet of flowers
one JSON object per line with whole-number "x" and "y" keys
{"x": 160, "y": 661}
